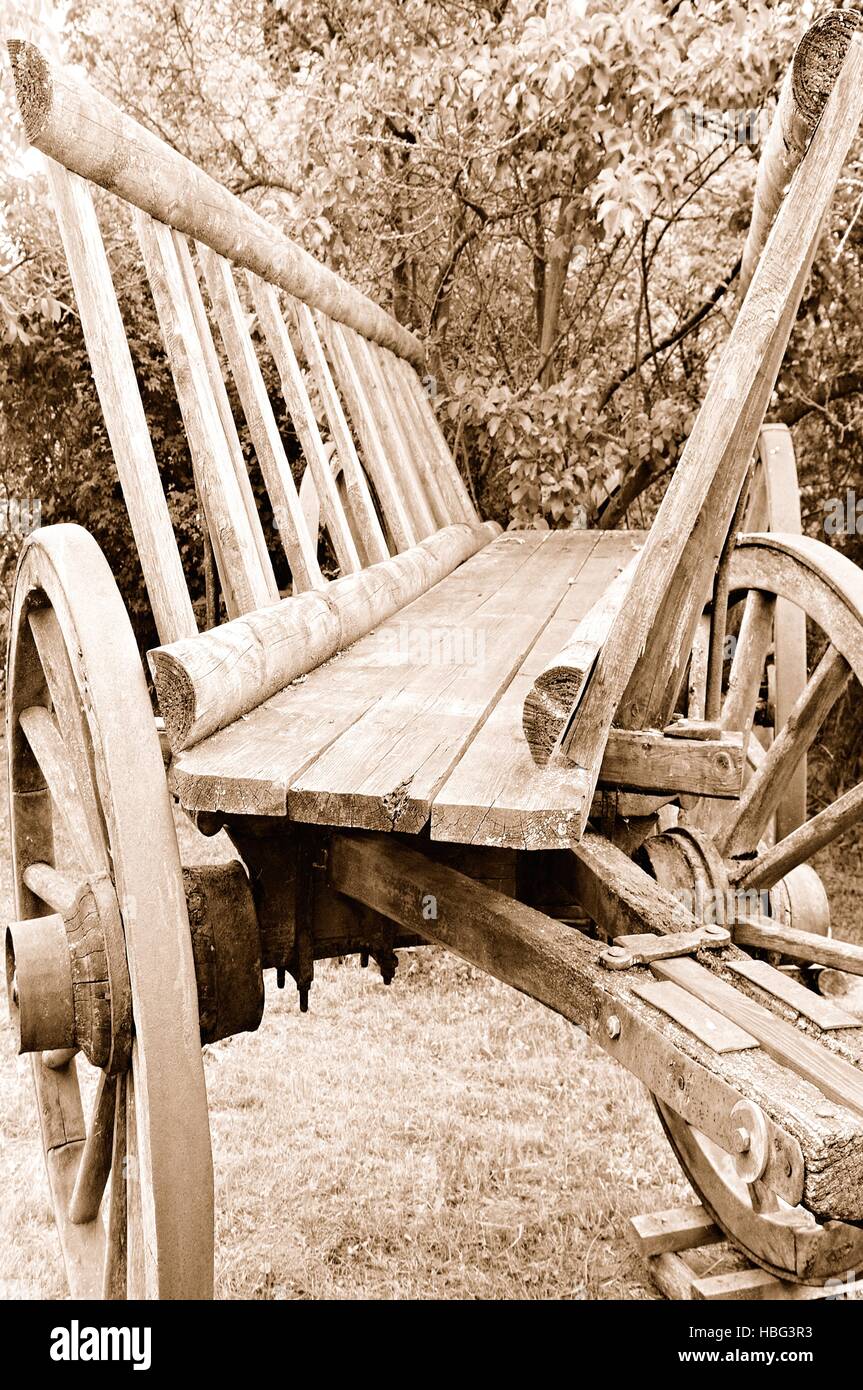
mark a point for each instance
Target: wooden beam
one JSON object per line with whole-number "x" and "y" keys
{"x": 70, "y": 121}
{"x": 211, "y": 680}
{"x": 559, "y": 966}
{"x": 120, "y": 399}
{"x": 645, "y": 760}
{"x": 807, "y": 84}
{"x": 696, "y": 510}
{"x": 807, "y": 947}
{"x": 554, "y": 696}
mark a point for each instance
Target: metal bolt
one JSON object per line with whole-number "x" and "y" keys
{"x": 741, "y": 1141}
{"x": 715, "y": 931}
{"x": 612, "y": 1026}
{"x": 616, "y": 951}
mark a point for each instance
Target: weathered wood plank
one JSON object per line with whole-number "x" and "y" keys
{"x": 207, "y": 682}
{"x": 384, "y": 772}
{"x": 69, "y": 120}
{"x": 114, "y": 375}
{"x": 649, "y": 761}
{"x": 447, "y": 471}
{"x": 837, "y": 1079}
{"x": 248, "y": 767}
{"x": 664, "y": 1232}
{"x": 298, "y": 403}
{"x": 220, "y": 396}
{"x": 497, "y": 795}
{"x": 805, "y": 1001}
{"x": 559, "y": 967}
{"x": 298, "y": 546}
{"x": 362, "y": 505}
{"x": 711, "y": 1027}
{"x": 799, "y": 945}
{"x": 245, "y": 583}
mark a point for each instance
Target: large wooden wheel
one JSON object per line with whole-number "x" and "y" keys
{"x": 99, "y": 892}
{"x": 769, "y": 871}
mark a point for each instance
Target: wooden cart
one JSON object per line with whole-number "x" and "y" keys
{"x": 528, "y": 747}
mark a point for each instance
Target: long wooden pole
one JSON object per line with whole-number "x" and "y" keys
{"x": 206, "y": 682}
{"x": 87, "y": 133}
{"x": 806, "y": 87}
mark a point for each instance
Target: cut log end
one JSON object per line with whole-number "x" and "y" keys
{"x": 175, "y": 693}
{"x": 33, "y": 85}
{"x": 547, "y": 710}
{"x": 818, "y": 59}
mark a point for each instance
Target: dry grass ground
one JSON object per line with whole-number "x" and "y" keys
{"x": 443, "y": 1138}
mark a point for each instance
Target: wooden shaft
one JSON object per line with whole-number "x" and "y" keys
{"x": 766, "y": 789}
{"x": 799, "y": 945}
{"x": 95, "y": 1165}
{"x": 209, "y": 681}
{"x": 807, "y": 85}
{"x": 802, "y": 843}
{"x": 88, "y": 134}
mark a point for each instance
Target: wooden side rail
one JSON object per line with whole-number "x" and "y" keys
{"x": 84, "y": 131}
{"x": 807, "y": 84}
{"x": 208, "y": 681}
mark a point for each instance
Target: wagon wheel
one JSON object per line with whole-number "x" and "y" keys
{"x": 828, "y": 589}
{"x": 98, "y": 883}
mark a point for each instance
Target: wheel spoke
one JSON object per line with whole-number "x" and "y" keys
{"x": 50, "y": 753}
{"x": 114, "y": 1284}
{"x": 697, "y": 690}
{"x": 766, "y": 788}
{"x": 55, "y": 889}
{"x": 95, "y": 1163}
{"x": 773, "y": 864}
{"x": 750, "y": 654}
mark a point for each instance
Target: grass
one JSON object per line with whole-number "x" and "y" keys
{"x": 443, "y": 1138}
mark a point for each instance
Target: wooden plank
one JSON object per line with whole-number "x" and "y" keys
{"x": 708, "y": 477}
{"x": 837, "y": 1079}
{"x": 245, "y": 584}
{"x": 800, "y": 945}
{"x": 806, "y": 1002}
{"x": 120, "y": 399}
{"x": 350, "y": 378}
{"x": 298, "y": 546}
{"x": 752, "y": 1284}
{"x": 669, "y": 1232}
{"x": 448, "y": 494}
{"x": 648, "y": 761}
{"x": 362, "y": 508}
{"x": 497, "y": 795}
{"x": 72, "y": 122}
{"x": 423, "y": 481}
{"x": 718, "y": 1032}
{"x": 223, "y": 405}
{"x": 559, "y": 967}
{"x": 447, "y": 472}
{"x": 208, "y": 682}
{"x": 384, "y": 772}
{"x": 248, "y": 767}
{"x": 300, "y": 407}
{"x": 555, "y": 694}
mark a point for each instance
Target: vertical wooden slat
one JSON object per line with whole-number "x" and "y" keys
{"x": 244, "y": 582}
{"x": 399, "y": 451}
{"x": 419, "y": 453}
{"x": 296, "y": 397}
{"x": 447, "y": 471}
{"x": 223, "y": 405}
{"x": 363, "y": 511}
{"x": 354, "y": 387}
{"x": 120, "y": 398}
{"x": 299, "y": 546}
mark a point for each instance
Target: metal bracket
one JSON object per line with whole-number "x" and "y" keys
{"x": 644, "y": 947}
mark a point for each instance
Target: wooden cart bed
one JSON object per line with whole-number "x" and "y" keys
{"x": 421, "y": 719}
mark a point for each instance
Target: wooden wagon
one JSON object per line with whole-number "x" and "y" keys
{"x": 528, "y": 747}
